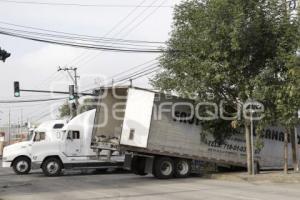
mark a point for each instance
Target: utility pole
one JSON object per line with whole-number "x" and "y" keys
{"x": 74, "y": 78}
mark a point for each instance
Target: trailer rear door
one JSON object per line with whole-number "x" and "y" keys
{"x": 137, "y": 119}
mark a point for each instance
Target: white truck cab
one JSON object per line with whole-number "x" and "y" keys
{"x": 20, "y": 155}
{"x": 71, "y": 149}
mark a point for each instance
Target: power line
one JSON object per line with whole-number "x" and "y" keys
{"x": 126, "y": 72}
{"x": 143, "y": 75}
{"x": 82, "y": 45}
{"x": 47, "y": 35}
{"x": 145, "y": 18}
{"x": 133, "y": 76}
{"x": 76, "y": 36}
{"x": 110, "y": 31}
{"x": 26, "y": 106}
{"x": 130, "y": 69}
{"x": 132, "y": 21}
{"x": 29, "y": 101}
{"x": 80, "y": 5}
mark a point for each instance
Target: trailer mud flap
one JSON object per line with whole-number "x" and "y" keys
{"x": 128, "y": 162}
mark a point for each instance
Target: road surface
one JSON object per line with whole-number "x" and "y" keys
{"x": 78, "y": 186}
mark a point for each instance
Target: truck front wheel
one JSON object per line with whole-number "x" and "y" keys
{"x": 182, "y": 168}
{"x": 52, "y": 167}
{"x": 21, "y": 165}
{"x": 163, "y": 168}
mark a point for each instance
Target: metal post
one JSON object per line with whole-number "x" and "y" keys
{"x": 76, "y": 87}
{"x": 9, "y": 126}
{"x": 252, "y": 142}
{"x": 74, "y": 79}
{"x": 296, "y": 148}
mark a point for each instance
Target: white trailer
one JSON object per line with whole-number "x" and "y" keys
{"x": 142, "y": 124}
{"x": 53, "y": 151}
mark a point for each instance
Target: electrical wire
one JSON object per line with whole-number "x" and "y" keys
{"x": 82, "y": 45}
{"x": 132, "y": 21}
{"x": 141, "y": 74}
{"x": 125, "y": 73}
{"x": 130, "y": 69}
{"x": 80, "y": 35}
{"x": 77, "y": 4}
{"x": 144, "y": 19}
{"x": 47, "y": 35}
{"x": 29, "y": 101}
{"x": 78, "y": 58}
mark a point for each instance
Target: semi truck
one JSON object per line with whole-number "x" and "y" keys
{"x": 160, "y": 136}
{"x": 57, "y": 150}
{"x": 19, "y": 155}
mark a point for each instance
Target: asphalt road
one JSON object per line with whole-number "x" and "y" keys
{"x": 76, "y": 185}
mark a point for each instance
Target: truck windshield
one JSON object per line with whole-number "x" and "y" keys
{"x": 30, "y": 135}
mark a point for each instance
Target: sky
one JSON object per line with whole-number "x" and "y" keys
{"x": 35, "y": 64}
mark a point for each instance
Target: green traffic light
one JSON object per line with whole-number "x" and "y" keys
{"x": 17, "y": 94}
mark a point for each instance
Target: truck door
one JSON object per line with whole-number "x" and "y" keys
{"x": 137, "y": 119}
{"x": 37, "y": 145}
{"x": 72, "y": 147}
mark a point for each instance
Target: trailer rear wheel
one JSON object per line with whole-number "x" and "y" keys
{"x": 52, "y": 167}
{"x": 182, "y": 168}
{"x": 163, "y": 168}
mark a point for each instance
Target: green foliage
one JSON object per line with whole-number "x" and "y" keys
{"x": 64, "y": 110}
{"x": 233, "y": 49}
{"x": 88, "y": 104}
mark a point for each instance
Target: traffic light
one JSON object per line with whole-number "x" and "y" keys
{"x": 16, "y": 89}
{"x": 4, "y": 55}
{"x": 71, "y": 92}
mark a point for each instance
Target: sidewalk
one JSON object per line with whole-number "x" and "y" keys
{"x": 264, "y": 176}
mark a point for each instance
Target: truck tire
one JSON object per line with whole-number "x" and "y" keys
{"x": 138, "y": 166}
{"x": 52, "y": 167}
{"x": 163, "y": 168}
{"x": 21, "y": 165}
{"x": 182, "y": 168}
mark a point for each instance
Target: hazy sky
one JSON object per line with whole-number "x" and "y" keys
{"x": 35, "y": 64}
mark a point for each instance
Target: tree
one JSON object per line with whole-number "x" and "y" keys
{"x": 88, "y": 104}
{"x": 220, "y": 47}
{"x": 64, "y": 110}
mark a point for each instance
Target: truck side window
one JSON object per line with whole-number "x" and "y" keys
{"x": 76, "y": 135}
{"x": 39, "y": 136}
{"x": 73, "y": 135}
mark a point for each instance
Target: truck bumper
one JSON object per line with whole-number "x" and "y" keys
{"x": 6, "y": 164}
